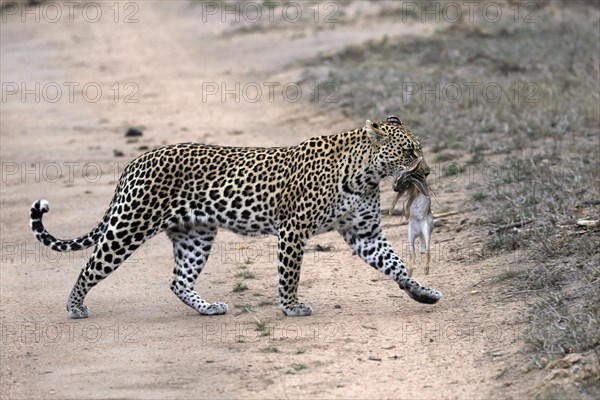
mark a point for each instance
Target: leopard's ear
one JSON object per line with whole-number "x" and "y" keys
{"x": 392, "y": 119}
{"x": 375, "y": 133}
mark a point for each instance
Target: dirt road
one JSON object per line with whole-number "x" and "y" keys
{"x": 70, "y": 91}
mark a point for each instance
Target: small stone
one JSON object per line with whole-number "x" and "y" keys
{"x": 133, "y": 132}
{"x": 118, "y": 153}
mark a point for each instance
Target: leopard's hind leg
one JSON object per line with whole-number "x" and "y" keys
{"x": 118, "y": 243}
{"x": 191, "y": 248}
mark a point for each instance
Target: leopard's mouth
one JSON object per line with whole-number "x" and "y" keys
{"x": 413, "y": 175}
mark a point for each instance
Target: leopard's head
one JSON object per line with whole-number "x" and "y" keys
{"x": 396, "y": 148}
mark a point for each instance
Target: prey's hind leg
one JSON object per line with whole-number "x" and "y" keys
{"x": 191, "y": 247}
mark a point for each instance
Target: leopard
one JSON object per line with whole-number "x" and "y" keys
{"x": 190, "y": 190}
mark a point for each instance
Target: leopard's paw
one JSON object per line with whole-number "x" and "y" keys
{"x": 78, "y": 312}
{"x": 420, "y": 293}
{"x": 214, "y": 309}
{"x": 296, "y": 310}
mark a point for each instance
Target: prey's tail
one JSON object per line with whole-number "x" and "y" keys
{"x": 39, "y": 208}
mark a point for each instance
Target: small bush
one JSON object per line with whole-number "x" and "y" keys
{"x": 240, "y": 287}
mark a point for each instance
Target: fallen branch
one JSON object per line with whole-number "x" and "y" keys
{"x": 394, "y": 212}
{"x": 446, "y": 214}
{"x": 523, "y": 291}
{"x": 510, "y": 226}
{"x": 404, "y": 222}
{"x": 589, "y": 223}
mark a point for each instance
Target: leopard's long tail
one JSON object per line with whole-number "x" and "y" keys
{"x": 40, "y": 207}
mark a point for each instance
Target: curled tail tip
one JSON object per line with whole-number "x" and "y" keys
{"x": 38, "y": 208}
{"x": 41, "y": 206}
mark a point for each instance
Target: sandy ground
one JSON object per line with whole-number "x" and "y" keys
{"x": 366, "y": 338}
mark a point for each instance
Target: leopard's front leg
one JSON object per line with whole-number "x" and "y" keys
{"x": 371, "y": 245}
{"x": 289, "y": 260}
